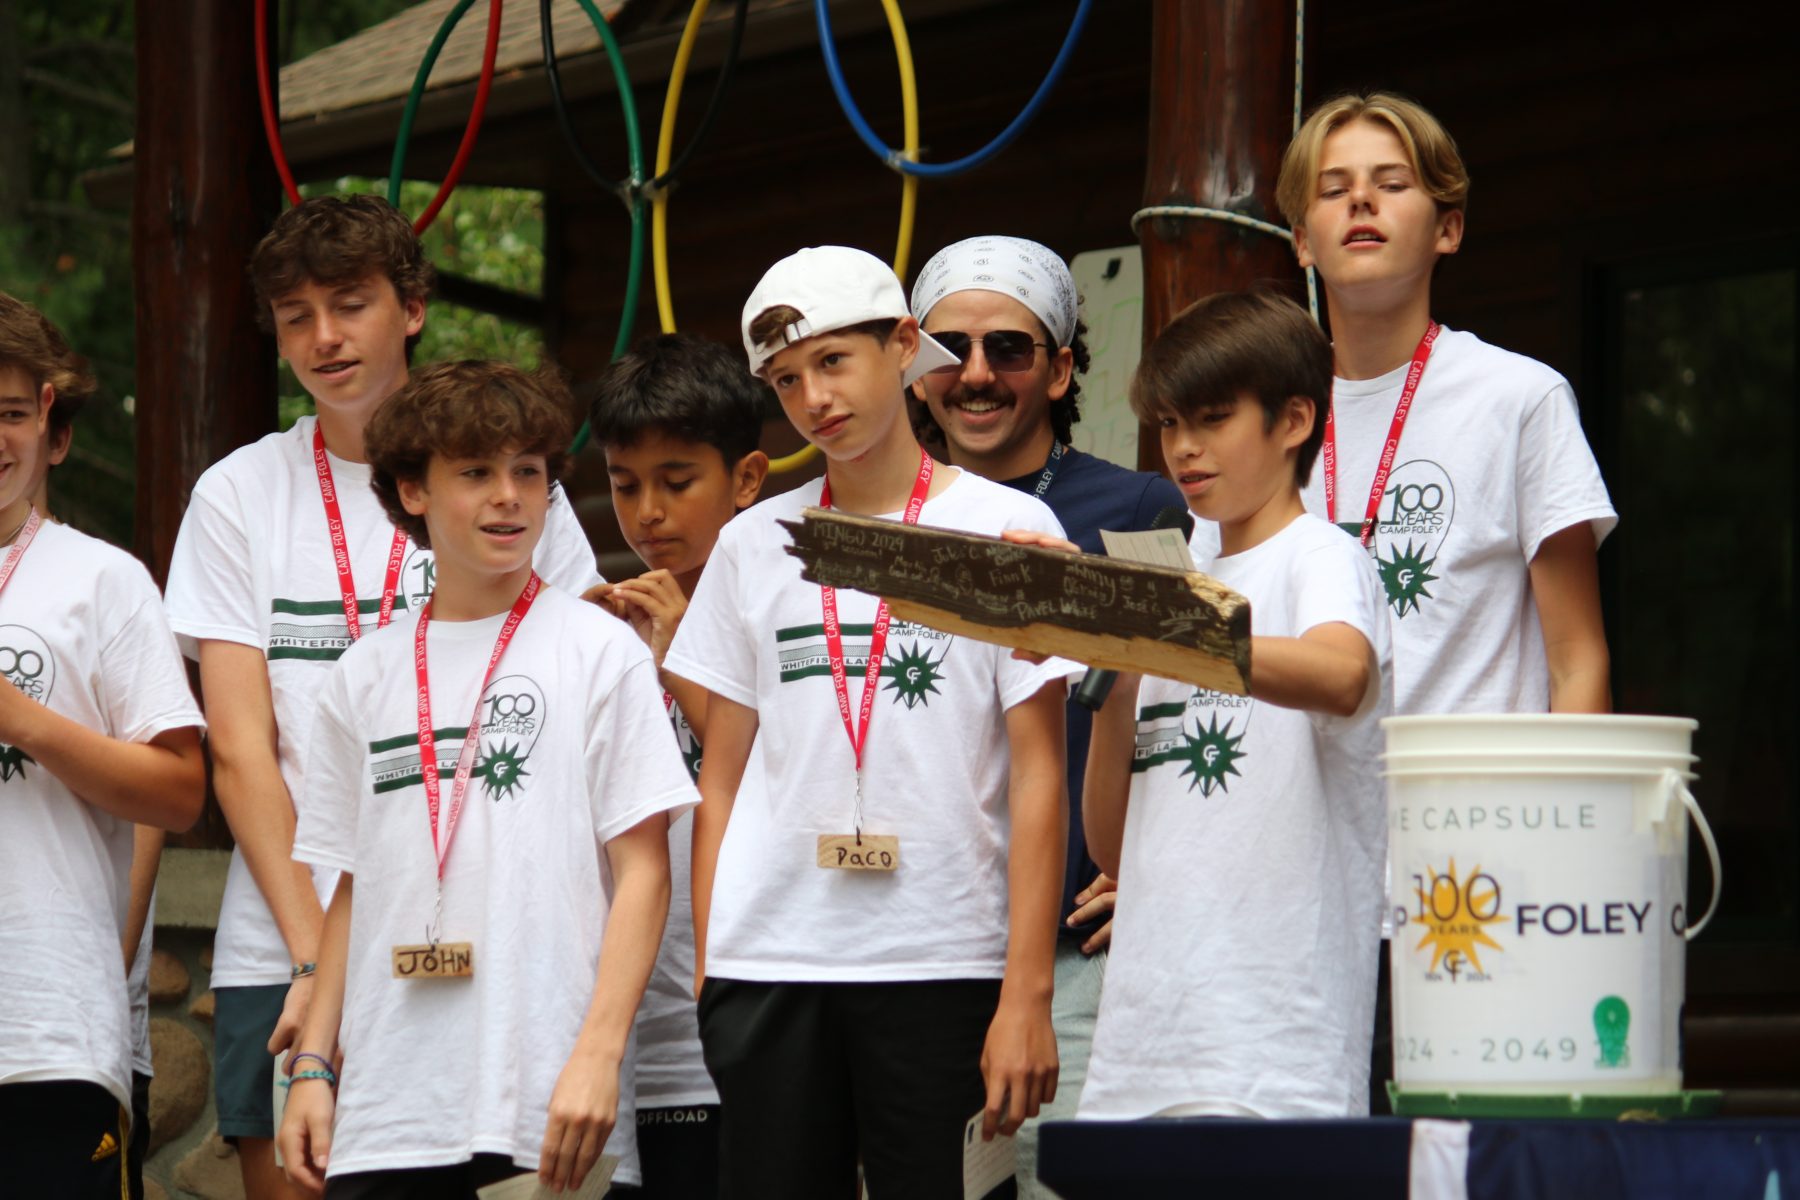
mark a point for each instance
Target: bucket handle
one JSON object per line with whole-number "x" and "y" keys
{"x": 1673, "y": 781}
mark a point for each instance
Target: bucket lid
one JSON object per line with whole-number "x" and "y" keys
{"x": 1527, "y": 734}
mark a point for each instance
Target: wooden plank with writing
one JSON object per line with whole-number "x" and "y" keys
{"x": 859, "y": 852}
{"x": 1105, "y": 612}
{"x": 434, "y": 960}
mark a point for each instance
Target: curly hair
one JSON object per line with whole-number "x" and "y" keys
{"x": 29, "y": 342}
{"x": 466, "y": 409}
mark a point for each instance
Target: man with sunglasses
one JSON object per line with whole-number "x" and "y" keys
{"x": 1007, "y": 308}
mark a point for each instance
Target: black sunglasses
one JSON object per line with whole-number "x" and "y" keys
{"x": 1004, "y": 349}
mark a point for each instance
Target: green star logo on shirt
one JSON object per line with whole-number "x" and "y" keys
{"x": 1404, "y": 577}
{"x": 12, "y": 762}
{"x": 1212, "y": 754}
{"x": 915, "y": 673}
{"x": 503, "y": 771}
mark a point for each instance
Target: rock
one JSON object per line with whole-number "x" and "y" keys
{"x": 168, "y": 978}
{"x": 210, "y": 1170}
{"x": 202, "y": 1009}
{"x": 154, "y": 1190}
{"x": 183, "y": 1081}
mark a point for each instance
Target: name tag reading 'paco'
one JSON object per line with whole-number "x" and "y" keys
{"x": 439, "y": 960}
{"x": 859, "y": 852}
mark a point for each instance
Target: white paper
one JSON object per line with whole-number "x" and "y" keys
{"x": 1156, "y": 547}
{"x": 527, "y": 1187}
{"x": 986, "y": 1165}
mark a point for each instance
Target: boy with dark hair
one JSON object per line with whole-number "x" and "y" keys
{"x": 679, "y": 419}
{"x": 72, "y": 384}
{"x": 284, "y": 560}
{"x": 1247, "y": 832}
{"x": 851, "y": 1012}
{"x": 98, "y": 731}
{"x": 496, "y": 1043}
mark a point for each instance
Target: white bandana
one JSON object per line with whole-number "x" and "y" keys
{"x": 1030, "y": 273}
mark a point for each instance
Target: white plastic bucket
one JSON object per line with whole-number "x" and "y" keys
{"x": 1538, "y": 883}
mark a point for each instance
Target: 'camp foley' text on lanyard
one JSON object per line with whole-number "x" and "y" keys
{"x": 435, "y": 959}
{"x": 21, "y": 543}
{"x": 340, "y": 549}
{"x": 859, "y": 851}
{"x": 1389, "y": 448}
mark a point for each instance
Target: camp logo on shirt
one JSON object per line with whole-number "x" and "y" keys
{"x": 512, "y": 718}
{"x": 1204, "y": 733}
{"x": 685, "y": 739}
{"x": 911, "y": 667}
{"x": 27, "y": 664}
{"x": 315, "y": 629}
{"x": 1410, "y": 526}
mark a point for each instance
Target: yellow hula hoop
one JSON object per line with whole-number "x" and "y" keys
{"x": 665, "y": 149}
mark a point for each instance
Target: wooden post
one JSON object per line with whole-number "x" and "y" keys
{"x": 1221, "y": 113}
{"x": 204, "y": 191}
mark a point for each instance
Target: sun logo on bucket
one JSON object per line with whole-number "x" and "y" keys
{"x": 1456, "y": 914}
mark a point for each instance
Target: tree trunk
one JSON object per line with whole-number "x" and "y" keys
{"x": 1222, "y": 93}
{"x": 15, "y": 124}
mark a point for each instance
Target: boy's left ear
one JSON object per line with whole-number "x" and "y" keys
{"x": 1450, "y": 232}
{"x": 747, "y": 478}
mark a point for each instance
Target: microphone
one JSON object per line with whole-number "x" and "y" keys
{"x": 1095, "y": 685}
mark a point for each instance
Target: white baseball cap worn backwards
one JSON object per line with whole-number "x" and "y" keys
{"x": 833, "y": 287}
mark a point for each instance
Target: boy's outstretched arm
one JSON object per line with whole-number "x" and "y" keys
{"x": 1565, "y": 580}
{"x": 585, "y": 1105}
{"x": 305, "y": 1134}
{"x": 161, "y": 782}
{"x": 1106, "y": 787}
{"x": 1018, "y": 1060}
{"x": 1328, "y": 669}
{"x": 731, "y": 731}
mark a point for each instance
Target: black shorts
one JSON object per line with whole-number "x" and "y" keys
{"x": 678, "y": 1149}
{"x": 459, "y": 1181}
{"x": 139, "y": 1145}
{"x": 63, "y": 1138}
{"x": 813, "y": 1077}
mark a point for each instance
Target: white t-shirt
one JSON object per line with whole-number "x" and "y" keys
{"x": 253, "y": 565}
{"x": 935, "y": 769}
{"x": 575, "y": 751}
{"x": 670, "y": 1070}
{"x": 1242, "y": 973}
{"x": 137, "y": 987}
{"x": 81, "y": 630}
{"x": 1492, "y": 461}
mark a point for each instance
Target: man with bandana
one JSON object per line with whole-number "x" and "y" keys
{"x": 1007, "y": 307}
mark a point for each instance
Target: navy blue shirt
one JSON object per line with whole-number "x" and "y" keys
{"x": 1087, "y": 495}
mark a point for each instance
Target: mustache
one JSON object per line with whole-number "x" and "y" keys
{"x": 997, "y": 392}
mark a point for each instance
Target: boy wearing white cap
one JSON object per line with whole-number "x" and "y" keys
{"x": 866, "y": 1013}
{"x": 1008, "y": 307}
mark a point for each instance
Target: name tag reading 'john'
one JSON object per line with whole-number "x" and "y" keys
{"x": 859, "y": 852}
{"x": 435, "y": 960}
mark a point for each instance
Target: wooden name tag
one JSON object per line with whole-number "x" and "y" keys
{"x": 850, "y": 852}
{"x": 444, "y": 960}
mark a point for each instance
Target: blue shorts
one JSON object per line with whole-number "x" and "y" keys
{"x": 244, "y": 1018}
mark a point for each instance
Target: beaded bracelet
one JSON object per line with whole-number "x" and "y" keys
{"x": 302, "y": 970}
{"x": 297, "y": 1076}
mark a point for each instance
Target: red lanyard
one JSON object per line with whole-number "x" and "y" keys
{"x": 834, "y": 640}
{"x": 465, "y": 761}
{"x": 1385, "y": 467}
{"x": 21, "y": 543}
{"x": 340, "y": 551}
